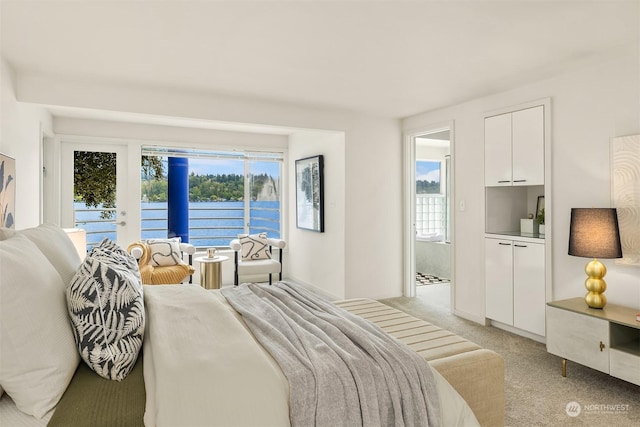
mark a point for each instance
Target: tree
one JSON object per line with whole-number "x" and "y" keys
{"x": 152, "y": 167}
{"x": 94, "y": 178}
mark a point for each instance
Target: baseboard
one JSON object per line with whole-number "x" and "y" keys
{"x": 517, "y": 331}
{"x": 472, "y": 317}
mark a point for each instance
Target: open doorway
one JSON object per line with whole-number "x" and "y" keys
{"x": 428, "y": 204}
{"x": 432, "y": 255}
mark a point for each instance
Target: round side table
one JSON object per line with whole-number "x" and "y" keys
{"x": 211, "y": 271}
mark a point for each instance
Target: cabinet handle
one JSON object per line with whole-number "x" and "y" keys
{"x": 520, "y": 246}
{"x": 601, "y": 346}
{"x": 505, "y": 244}
{"x": 501, "y": 182}
{"x": 519, "y": 180}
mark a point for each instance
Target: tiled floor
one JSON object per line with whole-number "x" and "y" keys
{"x": 428, "y": 279}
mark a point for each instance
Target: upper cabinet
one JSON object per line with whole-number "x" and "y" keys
{"x": 514, "y": 148}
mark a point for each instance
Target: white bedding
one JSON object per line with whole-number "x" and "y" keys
{"x": 202, "y": 366}
{"x": 10, "y": 415}
{"x": 227, "y": 379}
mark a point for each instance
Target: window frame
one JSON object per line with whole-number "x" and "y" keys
{"x": 247, "y": 156}
{"x": 442, "y": 192}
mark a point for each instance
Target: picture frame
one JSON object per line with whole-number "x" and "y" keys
{"x": 539, "y": 205}
{"x": 625, "y": 180}
{"x": 7, "y": 191}
{"x": 310, "y": 193}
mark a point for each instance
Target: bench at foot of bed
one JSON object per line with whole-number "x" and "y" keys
{"x": 477, "y": 374}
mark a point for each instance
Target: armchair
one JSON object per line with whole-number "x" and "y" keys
{"x": 173, "y": 271}
{"x": 253, "y": 255}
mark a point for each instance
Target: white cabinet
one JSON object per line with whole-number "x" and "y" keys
{"x": 528, "y": 146}
{"x": 529, "y": 287}
{"x": 499, "y": 280}
{"x": 518, "y": 267}
{"x": 514, "y": 148}
{"x": 515, "y": 283}
{"x": 607, "y": 339}
{"x": 497, "y": 150}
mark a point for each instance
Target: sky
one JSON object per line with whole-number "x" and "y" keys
{"x": 427, "y": 171}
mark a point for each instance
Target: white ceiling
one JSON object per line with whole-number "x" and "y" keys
{"x": 388, "y": 58}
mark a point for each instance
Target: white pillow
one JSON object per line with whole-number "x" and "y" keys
{"x": 54, "y": 243}
{"x": 254, "y": 246}
{"x": 165, "y": 251}
{"x": 5, "y": 233}
{"x": 38, "y": 355}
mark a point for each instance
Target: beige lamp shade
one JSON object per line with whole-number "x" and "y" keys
{"x": 79, "y": 238}
{"x": 594, "y": 233}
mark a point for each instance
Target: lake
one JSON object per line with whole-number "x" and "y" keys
{"x": 211, "y": 224}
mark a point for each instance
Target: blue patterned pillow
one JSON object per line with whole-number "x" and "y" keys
{"x": 106, "y": 308}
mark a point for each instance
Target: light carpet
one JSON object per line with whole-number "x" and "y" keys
{"x": 536, "y": 393}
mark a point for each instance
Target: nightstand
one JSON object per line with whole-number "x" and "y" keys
{"x": 211, "y": 271}
{"x": 607, "y": 339}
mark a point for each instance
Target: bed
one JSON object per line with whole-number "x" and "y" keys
{"x": 200, "y": 362}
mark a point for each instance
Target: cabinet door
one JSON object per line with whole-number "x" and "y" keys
{"x": 497, "y": 150}
{"x": 498, "y": 280}
{"x": 578, "y": 337}
{"x": 528, "y": 146}
{"x": 529, "y": 287}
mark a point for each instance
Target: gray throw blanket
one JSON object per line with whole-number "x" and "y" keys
{"x": 342, "y": 370}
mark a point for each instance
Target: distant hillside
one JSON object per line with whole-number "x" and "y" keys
{"x": 427, "y": 187}
{"x": 215, "y": 188}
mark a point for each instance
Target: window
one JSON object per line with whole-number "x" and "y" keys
{"x": 431, "y": 203}
{"x": 230, "y": 193}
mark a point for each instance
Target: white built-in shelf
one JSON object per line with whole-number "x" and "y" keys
{"x": 518, "y": 235}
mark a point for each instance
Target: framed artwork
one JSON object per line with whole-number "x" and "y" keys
{"x": 310, "y": 193}
{"x": 7, "y": 191}
{"x": 539, "y": 205}
{"x": 625, "y": 181}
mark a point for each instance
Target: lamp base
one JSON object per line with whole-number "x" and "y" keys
{"x": 595, "y": 284}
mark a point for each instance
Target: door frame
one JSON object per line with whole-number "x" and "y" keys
{"x": 409, "y": 234}
{"x": 67, "y": 147}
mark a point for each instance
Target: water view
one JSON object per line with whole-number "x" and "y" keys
{"x": 210, "y": 223}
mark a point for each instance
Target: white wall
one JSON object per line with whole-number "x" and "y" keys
{"x": 374, "y": 251}
{"x": 590, "y": 106}
{"x": 424, "y": 152}
{"x": 154, "y": 101}
{"x": 318, "y": 259}
{"x": 22, "y": 126}
{"x": 170, "y": 135}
